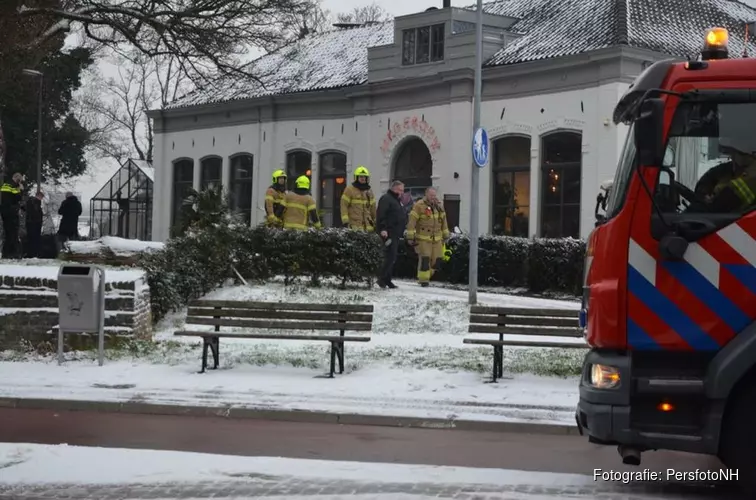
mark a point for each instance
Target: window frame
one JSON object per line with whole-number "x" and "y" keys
{"x": 511, "y": 170}
{"x": 234, "y": 165}
{"x": 204, "y": 162}
{"x": 559, "y": 168}
{"x": 435, "y": 44}
{"x": 177, "y": 203}
{"x": 331, "y": 177}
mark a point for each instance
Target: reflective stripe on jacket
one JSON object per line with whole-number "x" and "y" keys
{"x": 358, "y": 207}
{"x": 10, "y": 196}
{"x": 427, "y": 222}
{"x": 300, "y": 211}
{"x": 274, "y": 203}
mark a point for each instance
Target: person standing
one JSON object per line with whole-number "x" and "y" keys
{"x": 391, "y": 221}
{"x": 69, "y": 210}
{"x": 10, "y": 205}
{"x": 428, "y": 231}
{"x": 34, "y": 219}
{"x": 300, "y": 211}
{"x": 274, "y": 197}
{"x": 358, "y": 210}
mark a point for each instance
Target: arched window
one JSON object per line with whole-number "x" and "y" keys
{"x": 298, "y": 163}
{"x": 211, "y": 172}
{"x": 332, "y": 183}
{"x": 183, "y": 182}
{"x": 414, "y": 166}
{"x": 561, "y": 164}
{"x": 241, "y": 185}
{"x": 510, "y": 200}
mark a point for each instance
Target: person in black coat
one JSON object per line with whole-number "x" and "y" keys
{"x": 392, "y": 220}
{"x": 10, "y": 205}
{"x": 69, "y": 210}
{"x": 34, "y": 218}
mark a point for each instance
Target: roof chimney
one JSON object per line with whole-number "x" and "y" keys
{"x": 447, "y": 4}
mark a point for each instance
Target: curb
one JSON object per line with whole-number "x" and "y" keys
{"x": 302, "y": 416}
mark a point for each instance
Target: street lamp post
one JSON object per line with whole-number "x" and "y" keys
{"x": 38, "y": 74}
{"x": 475, "y": 184}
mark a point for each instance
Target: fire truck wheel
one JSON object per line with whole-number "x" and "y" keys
{"x": 738, "y": 437}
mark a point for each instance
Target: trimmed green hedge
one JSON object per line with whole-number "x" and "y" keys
{"x": 539, "y": 264}
{"x": 193, "y": 265}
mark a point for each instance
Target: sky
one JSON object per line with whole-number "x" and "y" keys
{"x": 90, "y": 183}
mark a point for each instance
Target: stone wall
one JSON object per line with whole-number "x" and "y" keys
{"x": 29, "y": 310}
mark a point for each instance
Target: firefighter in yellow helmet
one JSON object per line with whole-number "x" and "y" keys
{"x": 358, "y": 203}
{"x": 274, "y": 197}
{"x": 299, "y": 210}
{"x": 427, "y": 230}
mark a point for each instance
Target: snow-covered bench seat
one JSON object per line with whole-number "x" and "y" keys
{"x": 278, "y": 320}
{"x": 524, "y": 327}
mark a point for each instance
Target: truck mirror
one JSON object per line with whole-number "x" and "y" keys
{"x": 649, "y": 131}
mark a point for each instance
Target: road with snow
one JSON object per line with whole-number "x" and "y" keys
{"x": 256, "y": 438}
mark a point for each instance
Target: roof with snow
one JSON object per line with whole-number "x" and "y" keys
{"x": 548, "y": 29}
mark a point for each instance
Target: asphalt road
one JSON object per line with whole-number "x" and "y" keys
{"x": 548, "y": 453}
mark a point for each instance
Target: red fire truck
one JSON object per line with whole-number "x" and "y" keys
{"x": 669, "y": 304}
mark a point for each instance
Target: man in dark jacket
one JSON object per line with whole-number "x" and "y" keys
{"x": 69, "y": 210}
{"x": 390, "y": 225}
{"x": 10, "y": 204}
{"x": 34, "y": 219}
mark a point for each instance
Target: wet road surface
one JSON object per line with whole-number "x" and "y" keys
{"x": 546, "y": 453}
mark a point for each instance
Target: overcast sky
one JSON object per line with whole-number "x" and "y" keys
{"x": 90, "y": 184}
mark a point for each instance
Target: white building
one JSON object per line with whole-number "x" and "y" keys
{"x": 397, "y": 98}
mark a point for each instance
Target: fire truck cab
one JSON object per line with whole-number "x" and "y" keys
{"x": 669, "y": 303}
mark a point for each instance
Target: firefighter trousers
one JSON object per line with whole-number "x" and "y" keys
{"x": 428, "y": 257}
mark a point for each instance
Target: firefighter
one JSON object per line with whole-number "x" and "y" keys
{"x": 735, "y": 191}
{"x": 427, "y": 231}
{"x": 358, "y": 204}
{"x": 10, "y": 204}
{"x": 299, "y": 210}
{"x": 274, "y": 197}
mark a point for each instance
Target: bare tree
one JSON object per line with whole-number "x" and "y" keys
{"x": 115, "y": 109}
{"x": 372, "y": 13}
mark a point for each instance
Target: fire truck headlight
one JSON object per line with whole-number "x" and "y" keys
{"x": 604, "y": 377}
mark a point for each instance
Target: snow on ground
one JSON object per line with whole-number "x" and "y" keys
{"x": 119, "y": 246}
{"x": 24, "y": 463}
{"x": 45, "y": 269}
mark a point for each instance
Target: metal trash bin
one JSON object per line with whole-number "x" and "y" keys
{"x": 81, "y": 303}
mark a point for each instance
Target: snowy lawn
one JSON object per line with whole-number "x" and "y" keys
{"x": 415, "y": 365}
{"x": 24, "y": 463}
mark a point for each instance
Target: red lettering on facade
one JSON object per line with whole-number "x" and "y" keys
{"x": 419, "y": 127}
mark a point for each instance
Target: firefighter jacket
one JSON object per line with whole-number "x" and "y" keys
{"x": 10, "y": 197}
{"x": 736, "y": 196}
{"x": 274, "y": 208}
{"x": 358, "y": 207}
{"x": 299, "y": 210}
{"x": 427, "y": 222}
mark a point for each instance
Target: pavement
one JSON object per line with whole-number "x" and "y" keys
{"x": 519, "y": 451}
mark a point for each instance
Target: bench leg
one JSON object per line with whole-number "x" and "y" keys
{"x": 337, "y": 354}
{"x": 215, "y": 349}
{"x": 498, "y": 362}
{"x": 205, "y": 347}
{"x": 501, "y": 360}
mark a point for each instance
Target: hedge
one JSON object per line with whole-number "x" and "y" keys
{"x": 193, "y": 265}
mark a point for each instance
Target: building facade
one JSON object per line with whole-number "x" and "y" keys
{"x": 396, "y": 97}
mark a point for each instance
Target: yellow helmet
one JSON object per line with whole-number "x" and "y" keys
{"x": 277, "y": 175}
{"x": 303, "y": 182}
{"x": 361, "y": 171}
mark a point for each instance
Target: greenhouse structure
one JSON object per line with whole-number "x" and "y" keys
{"x": 123, "y": 206}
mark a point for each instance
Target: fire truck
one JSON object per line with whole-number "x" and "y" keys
{"x": 669, "y": 302}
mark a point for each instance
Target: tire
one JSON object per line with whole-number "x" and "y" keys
{"x": 737, "y": 447}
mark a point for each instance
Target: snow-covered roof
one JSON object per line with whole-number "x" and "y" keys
{"x": 548, "y": 29}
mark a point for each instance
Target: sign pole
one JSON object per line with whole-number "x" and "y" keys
{"x": 475, "y": 184}
{"x": 101, "y": 319}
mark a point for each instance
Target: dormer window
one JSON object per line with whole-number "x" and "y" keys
{"x": 423, "y": 45}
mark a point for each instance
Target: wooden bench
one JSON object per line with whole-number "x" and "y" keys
{"x": 503, "y": 321}
{"x": 278, "y": 316}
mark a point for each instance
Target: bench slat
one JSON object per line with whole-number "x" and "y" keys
{"x": 269, "y": 336}
{"x": 523, "y": 320}
{"x": 515, "y": 343}
{"x": 513, "y": 330}
{"x": 524, "y": 311}
{"x": 277, "y": 325}
{"x": 281, "y": 306}
{"x": 282, "y": 315}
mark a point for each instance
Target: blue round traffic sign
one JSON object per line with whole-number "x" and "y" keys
{"x": 480, "y": 147}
